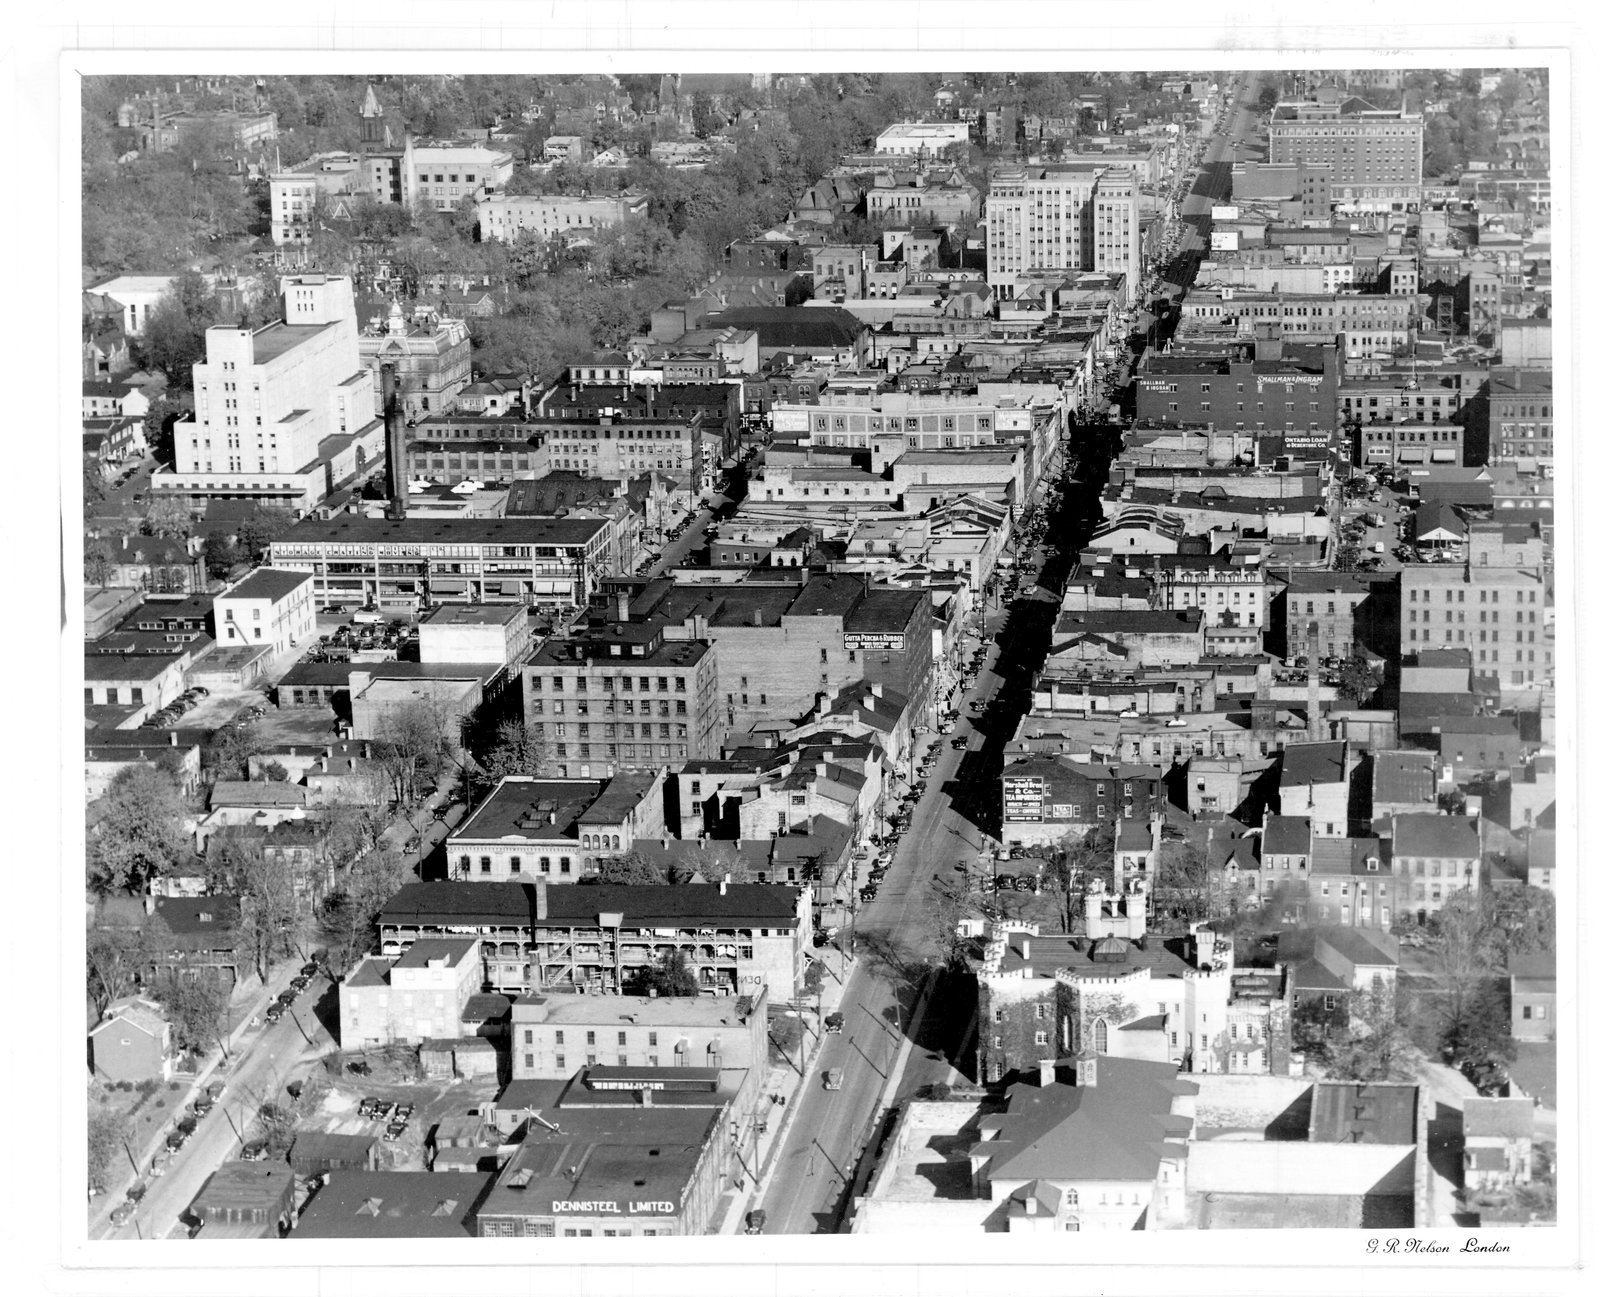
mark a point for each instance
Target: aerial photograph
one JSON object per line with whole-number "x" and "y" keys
{"x": 738, "y": 653}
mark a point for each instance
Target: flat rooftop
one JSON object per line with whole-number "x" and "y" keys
{"x": 460, "y": 614}
{"x": 274, "y": 340}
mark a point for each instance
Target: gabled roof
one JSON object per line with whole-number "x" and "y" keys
{"x": 1313, "y": 763}
{"x": 1502, "y": 1118}
{"x": 1118, "y": 1129}
{"x": 1286, "y": 835}
{"x": 1448, "y": 837}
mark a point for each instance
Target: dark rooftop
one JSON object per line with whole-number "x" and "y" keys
{"x": 395, "y": 1204}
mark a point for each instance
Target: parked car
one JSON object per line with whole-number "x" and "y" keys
{"x": 254, "y": 1151}
{"x": 394, "y": 1130}
{"x": 204, "y": 1104}
{"x": 367, "y": 1106}
{"x": 176, "y": 1139}
{"x": 122, "y": 1213}
{"x": 403, "y": 1111}
{"x": 959, "y": 743}
{"x": 357, "y": 1068}
{"x": 869, "y": 892}
{"x": 274, "y": 1012}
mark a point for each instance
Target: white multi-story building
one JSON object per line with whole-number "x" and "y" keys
{"x": 440, "y": 173}
{"x": 933, "y": 139}
{"x": 505, "y": 216}
{"x": 269, "y": 607}
{"x": 416, "y": 997}
{"x": 284, "y": 412}
{"x": 1045, "y": 218}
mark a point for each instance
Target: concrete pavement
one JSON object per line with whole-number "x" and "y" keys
{"x": 262, "y": 1055}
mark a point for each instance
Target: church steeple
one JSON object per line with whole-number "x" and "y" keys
{"x": 374, "y": 130}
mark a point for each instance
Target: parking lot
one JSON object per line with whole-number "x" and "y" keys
{"x": 337, "y": 1110}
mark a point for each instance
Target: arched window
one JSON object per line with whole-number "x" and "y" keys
{"x": 1099, "y": 1035}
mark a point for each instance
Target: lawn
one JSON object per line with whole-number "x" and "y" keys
{"x": 147, "y": 1114}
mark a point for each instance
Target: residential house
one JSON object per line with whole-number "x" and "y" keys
{"x": 1350, "y": 884}
{"x": 1286, "y": 843}
{"x": 1434, "y": 857}
{"x": 1498, "y": 1139}
{"x": 194, "y": 937}
{"x": 132, "y": 1042}
{"x": 1533, "y": 998}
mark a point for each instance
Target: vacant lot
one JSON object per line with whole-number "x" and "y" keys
{"x": 335, "y": 1111}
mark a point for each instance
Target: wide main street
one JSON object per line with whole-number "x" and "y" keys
{"x": 896, "y": 936}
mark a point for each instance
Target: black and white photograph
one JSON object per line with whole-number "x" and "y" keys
{"x": 900, "y": 645}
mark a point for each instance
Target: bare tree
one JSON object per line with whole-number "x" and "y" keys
{"x": 1457, "y": 939}
{"x": 415, "y": 743}
{"x": 115, "y": 957}
{"x": 1071, "y": 867}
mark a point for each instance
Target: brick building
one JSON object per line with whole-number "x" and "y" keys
{"x": 1299, "y": 397}
{"x": 623, "y": 696}
{"x": 1045, "y": 798}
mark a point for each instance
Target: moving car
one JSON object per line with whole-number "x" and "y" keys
{"x": 833, "y": 1078}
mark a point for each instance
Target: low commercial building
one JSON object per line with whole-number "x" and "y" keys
{"x": 619, "y": 1152}
{"x": 407, "y": 563}
{"x": 368, "y": 1204}
{"x": 494, "y": 634}
{"x": 414, "y": 997}
{"x": 246, "y": 1200}
{"x": 553, "y": 1036}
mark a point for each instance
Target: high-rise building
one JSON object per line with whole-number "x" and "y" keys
{"x": 284, "y": 413}
{"x": 1044, "y": 218}
{"x": 1373, "y": 156}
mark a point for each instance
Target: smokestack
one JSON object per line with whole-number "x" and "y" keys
{"x": 394, "y": 438}
{"x": 541, "y": 899}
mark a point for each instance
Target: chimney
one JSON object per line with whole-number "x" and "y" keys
{"x": 172, "y": 738}
{"x": 1047, "y": 1071}
{"x": 644, "y": 1098}
{"x": 541, "y": 899}
{"x": 394, "y": 436}
{"x": 722, "y": 886}
{"x": 149, "y": 903}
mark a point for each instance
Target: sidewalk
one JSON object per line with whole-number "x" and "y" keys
{"x": 241, "y": 1015}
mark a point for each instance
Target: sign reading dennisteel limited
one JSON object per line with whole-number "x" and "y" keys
{"x": 600, "y": 1207}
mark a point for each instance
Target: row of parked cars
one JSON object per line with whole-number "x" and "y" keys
{"x": 297, "y": 984}
{"x": 173, "y": 711}
{"x": 394, "y": 1116}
